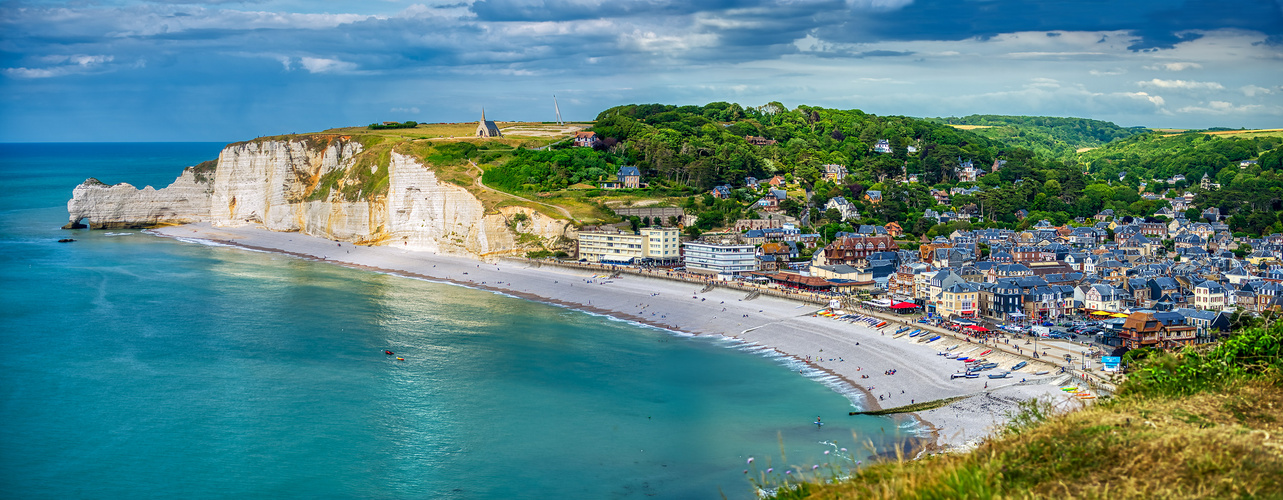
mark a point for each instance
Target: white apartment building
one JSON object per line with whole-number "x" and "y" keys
{"x": 656, "y": 243}
{"x": 722, "y": 260}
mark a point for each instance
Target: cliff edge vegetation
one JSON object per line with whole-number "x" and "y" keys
{"x": 1202, "y": 423}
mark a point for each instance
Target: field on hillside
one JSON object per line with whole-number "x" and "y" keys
{"x": 971, "y": 127}
{"x": 465, "y": 130}
{"x": 1241, "y": 134}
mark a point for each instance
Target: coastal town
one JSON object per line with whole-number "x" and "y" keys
{"x": 947, "y": 298}
{"x": 1119, "y": 282}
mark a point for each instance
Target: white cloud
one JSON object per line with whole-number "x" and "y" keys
{"x": 877, "y": 4}
{"x": 1180, "y": 84}
{"x": 1253, "y": 90}
{"x": 66, "y": 65}
{"x": 322, "y": 65}
{"x": 1174, "y": 66}
{"x": 649, "y": 41}
{"x": 1221, "y": 108}
{"x": 1155, "y": 99}
{"x": 1107, "y": 72}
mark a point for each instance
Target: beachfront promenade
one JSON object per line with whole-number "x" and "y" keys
{"x": 821, "y": 299}
{"x": 1051, "y": 354}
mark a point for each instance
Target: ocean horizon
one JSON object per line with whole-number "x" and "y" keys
{"x": 153, "y": 367}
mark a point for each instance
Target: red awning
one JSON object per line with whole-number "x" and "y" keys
{"x": 978, "y": 328}
{"x": 904, "y": 305}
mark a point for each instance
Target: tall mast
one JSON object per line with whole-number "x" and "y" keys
{"x": 558, "y": 109}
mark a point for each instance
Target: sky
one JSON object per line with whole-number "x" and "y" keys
{"x": 228, "y": 70}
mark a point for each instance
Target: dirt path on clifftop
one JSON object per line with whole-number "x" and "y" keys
{"x": 493, "y": 190}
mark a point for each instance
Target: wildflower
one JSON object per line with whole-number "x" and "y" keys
{"x": 826, "y": 452}
{"x": 788, "y": 472}
{"x": 746, "y": 471}
{"x": 813, "y": 467}
{"x": 770, "y": 470}
{"x": 750, "y": 460}
{"x": 843, "y": 449}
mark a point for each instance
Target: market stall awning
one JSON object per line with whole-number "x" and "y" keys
{"x": 903, "y": 305}
{"x": 1101, "y": 313}
{"x": 978, "y": 328}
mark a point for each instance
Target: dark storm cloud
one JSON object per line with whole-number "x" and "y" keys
{"x": 1159, "y": 24}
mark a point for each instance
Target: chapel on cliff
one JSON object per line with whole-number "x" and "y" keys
{"x": 486, "y": 128}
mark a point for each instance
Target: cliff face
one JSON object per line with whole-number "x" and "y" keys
{"x": 324, "y": 188}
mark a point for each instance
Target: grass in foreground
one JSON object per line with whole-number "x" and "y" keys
{"x": 1199, "y": 424}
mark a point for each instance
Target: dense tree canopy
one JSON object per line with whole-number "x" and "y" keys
{"x": 686, "y": 149}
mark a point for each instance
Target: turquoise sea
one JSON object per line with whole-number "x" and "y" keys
{"x": 143, "y": 367}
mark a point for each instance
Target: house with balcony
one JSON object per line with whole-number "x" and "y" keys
{"x": 960, "y": 300}
{"x": 1164, "y": 330}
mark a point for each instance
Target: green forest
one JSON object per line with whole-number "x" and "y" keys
{"x": 686, "y": 150}
{"x": 1046, "y": 135}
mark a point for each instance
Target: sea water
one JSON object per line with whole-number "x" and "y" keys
{"x": 137, "y": 366}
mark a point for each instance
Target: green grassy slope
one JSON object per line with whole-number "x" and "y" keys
{"x": 1198, "y": 424}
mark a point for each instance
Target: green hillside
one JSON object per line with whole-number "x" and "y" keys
{"x": 1049, "y": 136}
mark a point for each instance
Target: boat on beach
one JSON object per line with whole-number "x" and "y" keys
{"x": 1019, "y": 365}
{"x": 999, "y": 375}
{"x": 933, "y": 339}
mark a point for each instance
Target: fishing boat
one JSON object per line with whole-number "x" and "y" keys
{"x": 952, "y": 347}
{"x": 1019, "y": 365}
{"x": 933, "y": 339}
{"x": 999, "y": 375}
{"x": 987, "y": 351}
{"x": 898, "y": 335}
{"x": 1043, "y": 372}
{"x": 880, "y": 325}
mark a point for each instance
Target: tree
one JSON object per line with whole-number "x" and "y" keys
{"x": 1243, "y": 250}
{"x": 634, "y": 222}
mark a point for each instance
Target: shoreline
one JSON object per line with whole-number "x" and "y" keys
{"x": 834, "y": 351}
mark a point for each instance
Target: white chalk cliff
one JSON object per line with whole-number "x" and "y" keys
{"x": 280, "y": 184}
